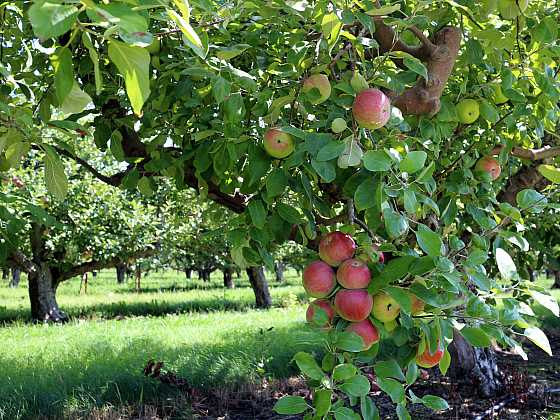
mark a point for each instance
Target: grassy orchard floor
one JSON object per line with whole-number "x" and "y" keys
{"x": 206, "y": 334}
{"x": 91, "y": 361}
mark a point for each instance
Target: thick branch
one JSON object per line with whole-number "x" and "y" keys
{"x": 99, "y": 265}
{"x": 19, "y": 259}
{"x": 543, "y": 153}
{"x": 439, "y": 57}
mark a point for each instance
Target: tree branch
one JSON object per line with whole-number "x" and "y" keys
{"x": 20, "y": 259}
{"x": 99, "y": 265}
{"x": 543, "y": 153}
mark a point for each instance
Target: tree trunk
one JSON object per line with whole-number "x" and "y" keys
{"x": 84, "y": 282}
{"x": 138, "y": 278}
{"x": 188, "y": 273}
{"x": 16, "y": 274}
{"x": 228, "y": 278}
{"x": 279, "y": 271}
{"x": 121, "y": 273}
{"x": 5, "y": 273}
{"x": 260, "y": 287}
{"x": 532, "y": 276}
{"x": 477, "y": 365}
{"x": 206, "y": 275}
{"x": 42, "y": 294}
{"x": 556, "y": 284}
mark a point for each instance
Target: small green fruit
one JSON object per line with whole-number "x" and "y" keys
{"x": 338, "y": 125}
{"x": 358, "y": 82}
{"x": 468, "y": 111}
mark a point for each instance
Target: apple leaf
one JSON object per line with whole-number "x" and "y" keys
{"x": 538, "y": 337}
{"x": 550, "y": 172}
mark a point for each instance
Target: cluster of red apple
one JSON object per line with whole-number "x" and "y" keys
{"x": 371, "y": 109}
{"x": 344, "y": 293}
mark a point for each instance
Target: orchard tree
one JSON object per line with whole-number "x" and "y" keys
{"x": 426, "y": 129}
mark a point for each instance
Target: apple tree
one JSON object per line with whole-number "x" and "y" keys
{"x": 426, "y": 130}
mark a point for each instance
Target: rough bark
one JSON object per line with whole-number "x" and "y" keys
{"x": 556, "y": 284}
{"x": 16, "y": 275}
{"x": 478, "y": 365}
{"x": 228, "y": 278}
{"x": 279, "y": 271}
{"x": 42, "y": 295}
{"x": 121, "y": 273}
{"x": 260, "y": 287}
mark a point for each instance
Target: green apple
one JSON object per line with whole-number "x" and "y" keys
{"x": 510, "y": 9}
{"x": 278, "y": 144}
{"x": 385, "y": 308}
{"x": 319, "y": 82}
{"x": 338, "y": 125}
{"x": 468, "y": 111}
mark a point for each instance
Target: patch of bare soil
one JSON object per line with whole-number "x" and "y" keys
{"x": 532, "y": 391}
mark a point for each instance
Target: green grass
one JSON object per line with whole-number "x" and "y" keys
{"x": 97, "y": 359}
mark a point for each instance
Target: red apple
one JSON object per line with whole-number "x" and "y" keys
{"x": 336, "y": 247}
{"x": 322, "y": 304}
{"x": 427, "y": 359}
{"x": 320, "y": 82}
{"x": 371, "y": 109}
{"x": 367, "y": 331}
{"x": 18, "y": 183}
{"x": 319, "y": 279}
{"x": 353, "y": 305}
{"x": 490, "y": 165}
{"x": 278, "y": 144}
{"x": 353, "y": 274}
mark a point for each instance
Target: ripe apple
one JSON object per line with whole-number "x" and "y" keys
{"x": 385, "y": 308}
{"x": 358, "y": 82}
{"x": 353, "y": 274}
{"x": 320, "y": 304}
{"x": 371, "y": 109}
{"x": 319, "y": 279}
{"x": 489, "y": 165}
{"x": 417, "y": 304}
{"x": 498, "y": 96}
{"x": 353, "y": 305}
{"x": 468, "y": 111}
{"x": 155, "y": 46}
{"x": 510, "y": 9}
{"x": 320, "y": 82}
{"x": 278, "y": 144}
{"x": 338, "y": 125}
{"x": 367, "y": 331}
{"x": 427, "y": 359}
{"x": 336, "y": 247}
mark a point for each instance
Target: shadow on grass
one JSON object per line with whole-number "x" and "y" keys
{"x": 198, "y": 286}
{"x": 151, "y": 308}
{"x": 100, "y": 373}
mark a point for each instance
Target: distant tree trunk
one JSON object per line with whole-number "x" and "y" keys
{"x": 279, "y": 271}
{"x": 228, "y": 278}
{"x": 556, "y": 284}
{"x": 238, "y": 272}
{"x": 531, "y": 275}
{"x": 42, "y": 295}
{"x": 475, "y": 364}
{"x": 16, "y": 274}
{"x": 260, "y": 287}
{"x": 188, "y": 273}
{"x": 5, "y": 273}
{"x": 205, "y": 275}
{"x": 121, "y": 273}
{"x": 138, "y": 278}
{"x": 84, "y": 282}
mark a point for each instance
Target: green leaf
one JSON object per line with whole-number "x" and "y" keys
{"x": 331, "y": 26}
{"x": 290, "y": 405}
{"x": 330, "y": 151}
{"x": 308, "y": 366}
{"x": 395, "y": 223}
{"x": 63, "y": 73}
{"x": 410, "y": 202}
{"x": 349, "y": 341}
{"x": 325, "y": 170}
{"x": 429, "y": 241}
{"x": 395, "y": 269}
{"x": 55, "y": 178}
{"x": 377, "y": 161}
{"x": 389, "y": 369}
{"x": 145, "y": 186}
{"x": 86, "y": 39}
{"x": 394, "y": 389}
{"x": 276, "y": 183}
{"x": 289, "y": 213}
{"x": 411, "y": 372}
{"x": 445, "y": 362}
{"x": 505, "y": 264}
{"x": 434, "y": 402}
{"x": 384, "y": 10}
{"x": 364, "y": 197}
{"x": 356, "y": 386}
{"x": 550, "y": 172}
{"x": 402, "y": 412}
{"x": 538, "y": 337}
{"x": 344, "y": 371}
{"x": 413, "y": 162}
{"x": 191, "y": 37}
{"x": 351, "y": 155}
{"x": 51, "y": 19}
{"x": 549, "y": 302}
{"x": 476, "y": 337}
{"x": 133, "y": 64}
{"x": 322, "y": 401}
{"x": 345, "y": 413}
{"x": 76, "y": 101}
{"x": 369, "y": 409}
{"x": 257, "y": 212}
{"x": 401, "y": 296}
{"x": 530, "y": 199}
{"x": 221, "y": 89}
{"x": 488, "y": 111}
